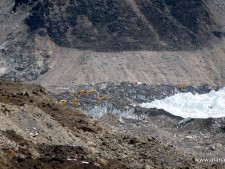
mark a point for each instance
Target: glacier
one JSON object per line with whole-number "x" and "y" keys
{"x": 210, "y": 105}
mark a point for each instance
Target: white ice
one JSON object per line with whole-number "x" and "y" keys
{"x": 194, "y": 106}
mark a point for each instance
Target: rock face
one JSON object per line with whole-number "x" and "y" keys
{"x": 20, "y": 2}
{"x": 25, "y": 63}
{"x": 107, "y": 25}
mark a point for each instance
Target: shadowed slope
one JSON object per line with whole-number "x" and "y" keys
{"x": 107, "y": 25}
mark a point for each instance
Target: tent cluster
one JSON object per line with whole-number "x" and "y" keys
{"x": 77, "y": 97}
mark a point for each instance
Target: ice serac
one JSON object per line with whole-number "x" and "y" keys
{"x": 190, "y": 105}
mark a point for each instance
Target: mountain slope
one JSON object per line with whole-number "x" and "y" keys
{"x": 123, "y": 25}
{"x": 41, "y": 39}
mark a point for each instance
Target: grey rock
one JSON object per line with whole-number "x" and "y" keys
{"x": 184, "y": 122}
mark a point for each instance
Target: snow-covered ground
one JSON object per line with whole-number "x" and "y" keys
{"x": 190, "y": 105}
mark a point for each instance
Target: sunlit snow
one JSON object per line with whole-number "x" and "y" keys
{"x": 190, "y": 105}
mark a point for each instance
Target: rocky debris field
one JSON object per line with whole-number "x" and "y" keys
{"x": 38, "y": 131}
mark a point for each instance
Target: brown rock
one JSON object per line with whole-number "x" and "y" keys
{"x": 102, "y": 161}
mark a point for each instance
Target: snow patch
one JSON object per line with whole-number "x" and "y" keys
{"x": 2, "y": 70}
{"x": 192, "y": 105}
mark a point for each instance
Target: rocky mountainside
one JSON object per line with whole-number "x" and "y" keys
{"x": 37, "y": 131}
{"x": 107, "y": 25}
{"x": 36, "y": 34}
{"x": 131, "y": 40}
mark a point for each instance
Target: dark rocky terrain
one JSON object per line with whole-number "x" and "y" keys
{"x": 107, "y": 25}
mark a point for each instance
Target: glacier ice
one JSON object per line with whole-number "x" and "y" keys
{"x": 191, "y": 105}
